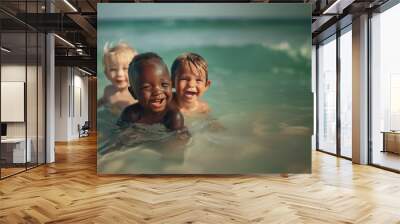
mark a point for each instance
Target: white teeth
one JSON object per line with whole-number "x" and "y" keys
{"x": 157, "y": 101}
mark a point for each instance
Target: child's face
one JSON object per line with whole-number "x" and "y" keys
{"x": 190, "y": 83}
{"x": 117, "y": 72}
{"x": 153, "y": 88}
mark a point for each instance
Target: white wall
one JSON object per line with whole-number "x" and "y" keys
{"x": 71, "y": 94}
{"x": 61, "y": 103}
{"x": 13, "y": 72}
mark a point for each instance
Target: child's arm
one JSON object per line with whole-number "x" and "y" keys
{"x": 174, "y": 120}
{"x": 108, "y": 90}
{"x": 129, "y": 115}
{"x": 174, "y": 148}
{"x": 101, "y": 102}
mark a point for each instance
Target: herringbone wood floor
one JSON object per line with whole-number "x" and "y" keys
{"x": 69, "y": 191}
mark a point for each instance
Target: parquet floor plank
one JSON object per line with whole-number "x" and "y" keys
{"x": 70, "y": 191}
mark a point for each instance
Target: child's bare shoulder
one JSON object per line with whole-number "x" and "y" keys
{"x": 204, "y": 108}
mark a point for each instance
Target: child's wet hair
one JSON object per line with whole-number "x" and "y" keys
{"x": 141, "y": 60}
{"x": 121, "y": 50}
{"x": 186, "y": 59}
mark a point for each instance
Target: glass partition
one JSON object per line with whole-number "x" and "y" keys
{"x": 31, "y": 97}
{"x": 41, "y": 96}
{"x": 385, "y": 89}
{"x": 346, "y": 92}
{"x": 327, "y": 95}
{"x": 13, "y": 94}
{"x": 22, "y": 78}
{"x": 32, "y": 83}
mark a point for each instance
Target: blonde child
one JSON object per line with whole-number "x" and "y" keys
{"x": 116, "y": 63}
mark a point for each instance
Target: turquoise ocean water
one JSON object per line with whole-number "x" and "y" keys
{"x": 260, "y": 94}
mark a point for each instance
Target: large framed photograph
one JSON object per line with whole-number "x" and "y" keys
{"x": 204, "y": 88}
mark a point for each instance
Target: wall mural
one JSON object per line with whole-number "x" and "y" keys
{"x": 210, "y": 88}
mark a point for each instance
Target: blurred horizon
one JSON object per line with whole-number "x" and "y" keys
{"x": 210, "y": 11}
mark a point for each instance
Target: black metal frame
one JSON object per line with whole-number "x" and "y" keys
{"x": 44, "y": 75}
{"x": 337, "y": 34}
{"x": 338, "y": 98}
{"x": 37, "y": 91}
{"x": 369, "y": 100}
{"x": 0, "y": 91}
{"x": 45, "y": 90}
{"x": 25, "y": 88}
{"x": 316, "y": 97}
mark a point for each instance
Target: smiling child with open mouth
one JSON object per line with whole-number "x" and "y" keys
{"x": 190, "y": 79}
{"x": 151, "y": 86}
